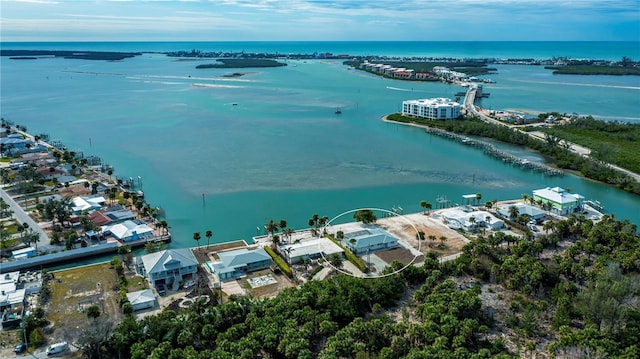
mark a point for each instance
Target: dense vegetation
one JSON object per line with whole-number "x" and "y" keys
{"x": 242, "y": 63}
{"x": 84, "y": 55}
{"x": 343, "y": 317}
{"x": 584, "y": 298}
{"x": 573, "y": 292}
{"x": 614, "y": 142}
{"x": 594, "y": 70}
{"x": 552, "y": 149}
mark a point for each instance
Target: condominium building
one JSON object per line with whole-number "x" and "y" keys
{"x": 431, "y": 109}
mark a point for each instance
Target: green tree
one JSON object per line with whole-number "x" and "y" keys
{"x": 365, "y": 216}
{"x": 93, "y": 312}
{"x": 336, "y": 260}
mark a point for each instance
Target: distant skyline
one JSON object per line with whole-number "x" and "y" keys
{"x": 319, "y": 20}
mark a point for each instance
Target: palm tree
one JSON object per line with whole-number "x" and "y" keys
{"x": 489, "y": 204}
{"x": 472, "y": 220}
{"x": 478, "y": 197}
{"x": 275, "y": 240}
{"x": 208, "y": 234}
{"x": 525, "y": 198}
{"x": 288, "y": 232}
{"x": 196, "y": 237}
{"x": 513, "y": 212}
{"x": 423, "y": 204}
{"x": 271, "y": 227}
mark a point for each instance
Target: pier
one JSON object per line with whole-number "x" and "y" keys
{"x": 494, "y": 152}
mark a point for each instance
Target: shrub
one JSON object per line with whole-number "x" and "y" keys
{"x": 362, "y": 266}
{"x": 284, "y": 267}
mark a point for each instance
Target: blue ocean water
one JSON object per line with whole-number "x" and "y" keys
{"x": 280, "y": 151}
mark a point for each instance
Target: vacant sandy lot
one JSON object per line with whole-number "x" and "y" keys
{"x": 406, "y": 227}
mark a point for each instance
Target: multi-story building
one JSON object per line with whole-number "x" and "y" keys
{"x": 431, "y": 109}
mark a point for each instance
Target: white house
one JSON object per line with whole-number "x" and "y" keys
{"x": 87, "y": 204}
{"x": 128, "y": 230}
{"x": 458, "y": 218}
{"x": 431, "y": 109}
{"x": 534, "y": 213}
{"x": 312, "y": 248}
{"x": 168, "y": 267}
{"x": 236, "y": 263}
{"x": 142, "y": 299}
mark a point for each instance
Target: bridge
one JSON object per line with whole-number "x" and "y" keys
{"x": 471, "y": 109}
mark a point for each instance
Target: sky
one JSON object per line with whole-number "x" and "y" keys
{"x": 319, "y": 20}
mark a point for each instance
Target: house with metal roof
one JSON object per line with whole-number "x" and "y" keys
{"x": 559, "y": 200}
{"x": 368, "y": 240}
{"x": 142, "y": 299}
{"x": 167, "y": 268}
{"x": 128, "y": 231}
{"x": 236, "y": 263}
{"x": 309, "y": 248}
{"x": 531, "y": 211}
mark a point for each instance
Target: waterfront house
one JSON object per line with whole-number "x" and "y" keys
{"x": 236, "y": 263}
{"x": 368, "y": 240}
{"x": 311, "y": 248}
{"x": 128, "y": 231}
{"x": 461, "y": 218}
{"x": 560, "y": 201}
{"x": 534, "y": 213}
{"x": 168, "y": 268}
{"x": 142, "y": 299}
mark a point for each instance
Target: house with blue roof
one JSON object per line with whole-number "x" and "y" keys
{"x": 239, "y": 262}
{"x": 368, "y": 240}
{"x": 168, "y": 268}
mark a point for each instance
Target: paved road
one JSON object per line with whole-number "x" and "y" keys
{"x": 23, "y": 217}
{"x": 583, "y": 151}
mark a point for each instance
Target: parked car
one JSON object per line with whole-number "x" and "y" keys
{"x": 162, "y": 290}
{"x": 57, "y": 348}
{"x": 20, "y": 348}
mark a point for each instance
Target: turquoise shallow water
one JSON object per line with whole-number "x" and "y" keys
{"x": 281, "y": 152}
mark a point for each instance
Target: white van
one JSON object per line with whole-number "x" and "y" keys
{"x": 57, "y": 348}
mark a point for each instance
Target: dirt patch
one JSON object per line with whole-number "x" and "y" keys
{"x": 74, "y": 290}
{"x": 208, "y": 253}
{"x": 434, "y": 232}
{"x": 267, "y": 290}
{"x": 401, "y": 255}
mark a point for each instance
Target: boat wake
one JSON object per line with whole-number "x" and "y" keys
{"x": 218, "y": 86}
{"x": 399, "y": 89}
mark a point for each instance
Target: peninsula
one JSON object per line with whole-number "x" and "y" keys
{"x": 242, "y": 63}
{"x": 83, "y": 55}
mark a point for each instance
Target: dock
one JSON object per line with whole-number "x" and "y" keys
{"x": 496, "y": 153}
